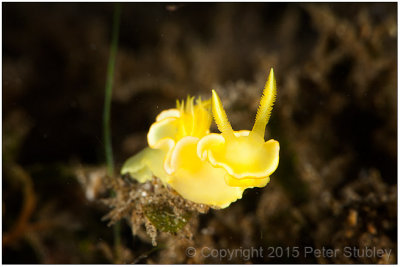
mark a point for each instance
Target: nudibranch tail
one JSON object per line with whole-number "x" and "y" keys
{"x": 266, "y": 104}
{"x": 220, "y": 116}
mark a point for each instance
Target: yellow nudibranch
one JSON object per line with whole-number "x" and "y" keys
{"x": 204, "y": 167}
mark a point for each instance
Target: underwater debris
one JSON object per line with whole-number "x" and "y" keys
{"x": 153, "y": 205}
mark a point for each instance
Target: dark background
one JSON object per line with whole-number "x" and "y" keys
{"x": 335, "y": 118}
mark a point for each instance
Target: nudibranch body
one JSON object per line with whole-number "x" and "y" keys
{"x": 247, "y": 158}
{"x": 170, "y": 126}
{"x": 212, "y": 169}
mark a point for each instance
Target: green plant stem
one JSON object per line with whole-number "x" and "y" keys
{"x": 108, "y": 91}
{"x": 107, "y": 115}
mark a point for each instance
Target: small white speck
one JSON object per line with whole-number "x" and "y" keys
{"x": 146, "y": 186}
